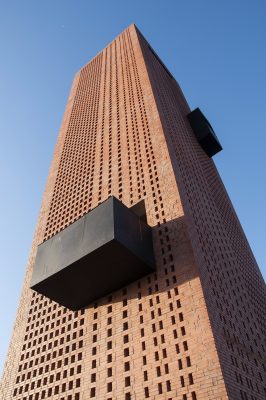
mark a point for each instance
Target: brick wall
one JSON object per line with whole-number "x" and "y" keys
{"x": 163, "y": 337}
{"x": 232, "y": 284}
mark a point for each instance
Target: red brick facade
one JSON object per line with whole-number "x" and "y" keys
{"x": 195, "y": 329}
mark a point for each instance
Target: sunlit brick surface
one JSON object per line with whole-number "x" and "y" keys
{"x": 195, "y": 329}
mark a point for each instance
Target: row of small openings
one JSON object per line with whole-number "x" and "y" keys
{"x": 75, "y": 370}
{"x": 48, "y": 394}
{"x": 146, "y": 393}
{"x": 54, "y": 390}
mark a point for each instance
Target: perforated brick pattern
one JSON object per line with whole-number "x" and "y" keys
{"x": 125, "y": 134}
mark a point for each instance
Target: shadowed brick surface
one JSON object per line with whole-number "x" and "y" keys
{"x": 194, "y": 329}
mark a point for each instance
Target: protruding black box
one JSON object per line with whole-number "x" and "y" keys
{"x": 103, "y": 251}
{"x": 204, "y": 132}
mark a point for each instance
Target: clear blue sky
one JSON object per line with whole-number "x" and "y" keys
{"x": 216, "y": 51}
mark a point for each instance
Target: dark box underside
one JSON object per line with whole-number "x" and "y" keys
{"x": 103, "y": 251}
{"x": 93, "y": 276}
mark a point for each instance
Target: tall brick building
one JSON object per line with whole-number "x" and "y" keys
{"x": 192, "y": 328}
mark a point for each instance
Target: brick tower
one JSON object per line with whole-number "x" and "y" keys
{"x": 131, "y": 154}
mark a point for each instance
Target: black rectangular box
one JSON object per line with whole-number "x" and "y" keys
{"x": 204, "y": 132}
{"x": 103, "y": 251}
